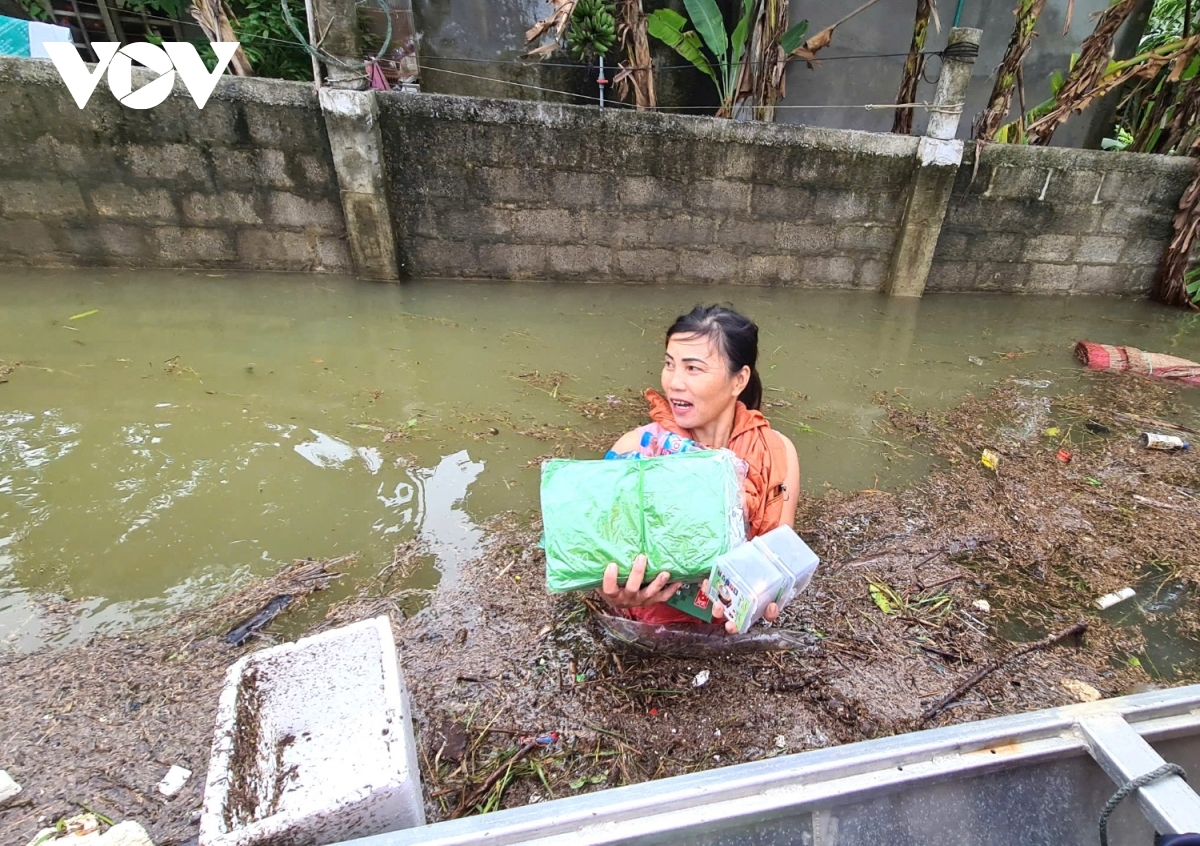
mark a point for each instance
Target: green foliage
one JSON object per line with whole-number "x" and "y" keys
{"x": 1191, "y": 282}
{"x": 173, "y": 9}
{"x": 1165, "y": 24}
{"x": 723, "y": 61}
{"x": 793, "y": 38}
{"x": 1122, "y": 141}
{"x": 266, "y": 40}
{"x": 36, "y": 10}
{"x": 593, "y": 29}
{"x": 667, "y": 26}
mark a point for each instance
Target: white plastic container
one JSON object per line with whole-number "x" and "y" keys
{"x": 792, "y": 555}
{"x": 314, "y": 744}
{"x": 745, "y": 581}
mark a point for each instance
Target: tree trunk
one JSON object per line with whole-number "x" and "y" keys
{"x": 991, "y": 118}
{"x": 914, "y": 66}
{"x": 1089, "y": 69}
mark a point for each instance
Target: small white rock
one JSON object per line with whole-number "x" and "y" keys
{"x": 716, "y": 732}
{"x": 982, "y": 605}
{"x": 701, "y": 679}
{"x": 8, "y": 788}
{"x": 174, "y": 780}
{"x": 780, "y": 742}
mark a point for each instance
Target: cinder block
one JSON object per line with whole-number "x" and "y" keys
{"x": 434, "y": 257}
{"x": 795, "y": 204}
{"x": 734, "y": 232}
{"x": 1098, "y": 249}
{"x": 175, "y": 162}
{"x": 1103, "y": 279}
{"x": 227, "y": 207}
{"x": 647, "y": 192}
{"x": 574, "y": 190}
{"x": 1052, "y": 248}
{"x": 295, "y": 211}
{"x": 684, "y": 230}
{"x": 806, "y": 239}
{"x": 41, "y": 198}
{"x": 121, "y": 201}
{"x": 508, "y": 185}
{"x": 719, "y": 195}
{"x": 868, "y": 236}
{"x": 25, "y": 238}
{"x": 579, "y": 261}
{"x": 119, "y": 239}
{"x": 1052, "y": 277}
{"x": 193, "y": 246}
{"x": 714, "y": 266}
{"x": 547, "y": 226}
{"x": 828, "y": 271}
{"x": 871, "y": 274}
{"x": 274, "y": 249}
{"x": 951, "y": 276}
{"x": 658, "y": 265}
{"x": 314, "y": 744}
{"x": 513, "y": 261}
{"x": 1001, "y": 275}
{"x": 770, "y": 269}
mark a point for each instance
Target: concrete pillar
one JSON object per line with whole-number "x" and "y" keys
{"x": 939, "y": 155}
{"x": 352, "y": 123}
{"x": 337, "y": 20}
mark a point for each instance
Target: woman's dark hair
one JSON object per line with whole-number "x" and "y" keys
{"x": 734, "y": 335}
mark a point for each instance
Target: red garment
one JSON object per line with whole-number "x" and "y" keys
{"x": 764, "y": 491}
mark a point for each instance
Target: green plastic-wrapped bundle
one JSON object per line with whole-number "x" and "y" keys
{"x": 681, "y": 510}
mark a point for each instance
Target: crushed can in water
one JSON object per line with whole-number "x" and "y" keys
{"x": 1153, "y": 440}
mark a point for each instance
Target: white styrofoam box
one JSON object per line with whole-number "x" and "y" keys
{"x": 40, "y": 33}
{"x": 314, "y": 744}
{"x": 8, "y": 787}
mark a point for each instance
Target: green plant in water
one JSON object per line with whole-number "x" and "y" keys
{"x": 593, "y": 29}
{"x": 716, "y": 53}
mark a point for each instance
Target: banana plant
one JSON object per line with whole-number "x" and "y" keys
{"x": 593, "y": 29}
{"x": 717, "y": 53}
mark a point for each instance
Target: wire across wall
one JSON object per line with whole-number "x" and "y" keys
{"x": 433, "y": 65}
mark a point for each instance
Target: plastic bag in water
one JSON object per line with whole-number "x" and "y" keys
{"x": 698, "y": 640}
{"x": 681, "y": 511}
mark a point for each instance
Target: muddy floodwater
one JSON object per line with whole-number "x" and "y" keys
{"x": 166, "y": 436}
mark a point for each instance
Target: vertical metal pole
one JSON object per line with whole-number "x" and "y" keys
{"x": 601, "y": 82}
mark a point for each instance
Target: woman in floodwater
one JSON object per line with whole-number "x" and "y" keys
{"x": 712, "y": 395}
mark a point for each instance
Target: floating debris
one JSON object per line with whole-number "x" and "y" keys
{"x": 1111, "y": 599}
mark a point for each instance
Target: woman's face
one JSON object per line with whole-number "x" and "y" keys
{"x": 696, "y": 380}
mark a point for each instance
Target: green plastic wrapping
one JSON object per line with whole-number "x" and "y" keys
{"x": 681, "y": 510}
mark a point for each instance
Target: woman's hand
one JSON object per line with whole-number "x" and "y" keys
{"x": 770, "y": 615}
{"x": 633, "y": 595}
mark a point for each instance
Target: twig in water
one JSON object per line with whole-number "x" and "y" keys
{"x": 983, "y": 672}
{"x": 491, "y": 780}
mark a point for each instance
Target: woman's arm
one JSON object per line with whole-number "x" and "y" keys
{"x": 792, "y": 480}
{"x": 628, "y": 442}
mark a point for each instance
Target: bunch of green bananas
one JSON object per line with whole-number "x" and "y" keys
{"x": 593, "y": 29}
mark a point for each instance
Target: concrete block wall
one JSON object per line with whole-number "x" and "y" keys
{"x": 247, "y": 182}
{"x": 1058, "y": 220}
{"x": 514, "y": 190}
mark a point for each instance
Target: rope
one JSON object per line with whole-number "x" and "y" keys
{"x": 326, "y": 56}
{"x": 1131, "y": 787}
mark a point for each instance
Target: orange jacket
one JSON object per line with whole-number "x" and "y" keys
{"x": 752, "y": 442}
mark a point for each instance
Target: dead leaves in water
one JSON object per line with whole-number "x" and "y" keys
{"x": 7, "y": 368}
